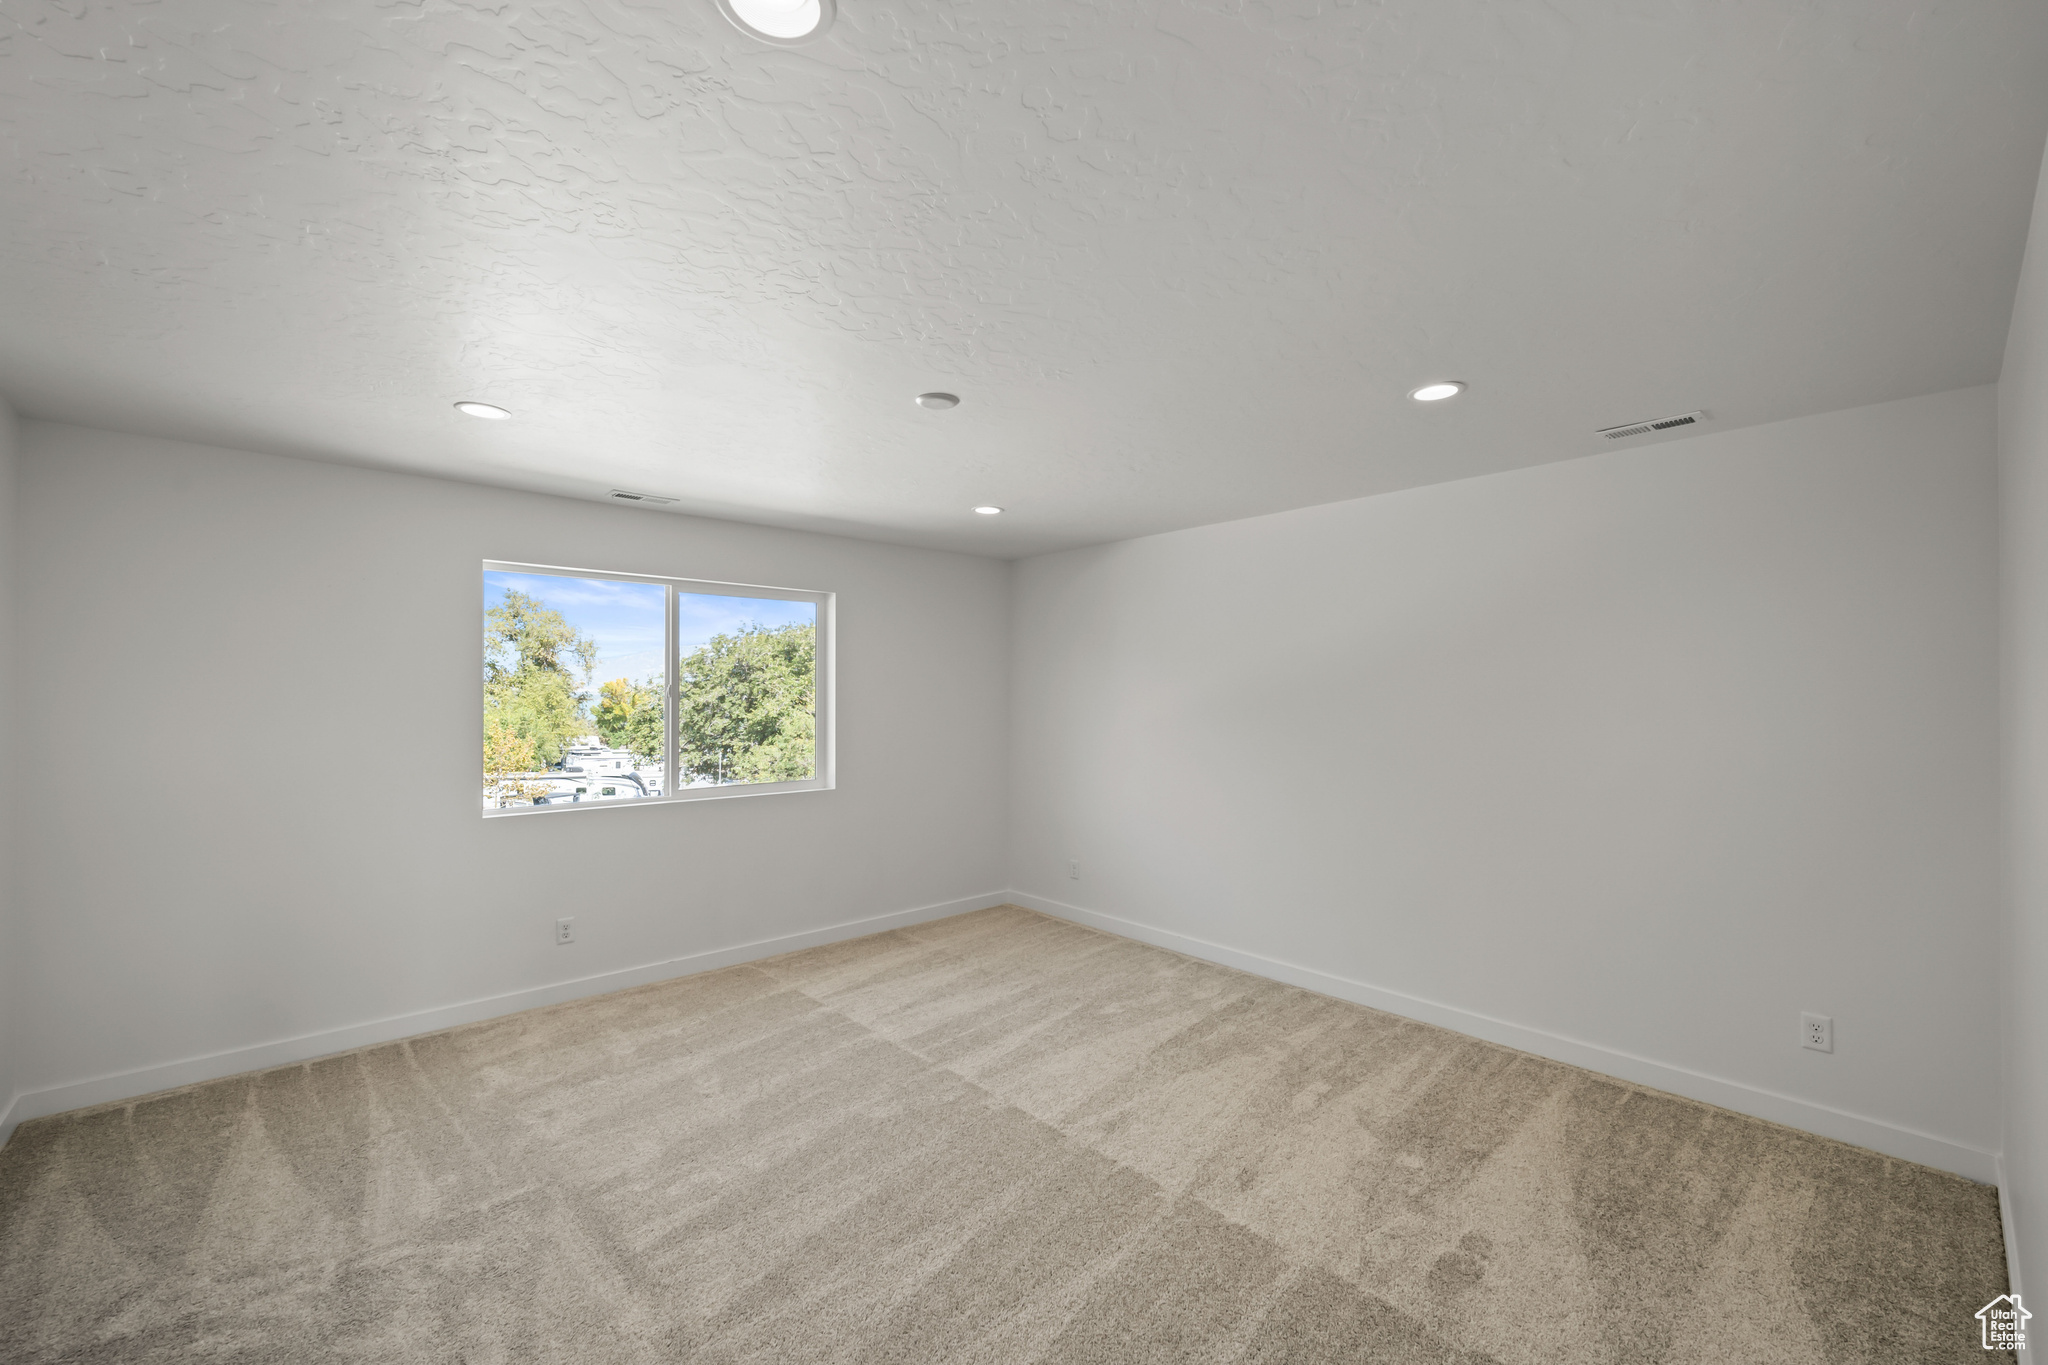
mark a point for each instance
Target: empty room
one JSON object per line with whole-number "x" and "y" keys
{"x": 1298, "y": 682}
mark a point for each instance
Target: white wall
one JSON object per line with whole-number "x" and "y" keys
{"x": 1626, "y": 760}
{"x": 2023, "y": 505}
{"x": 11, "y": 966}
{"x": 183, "y": 604}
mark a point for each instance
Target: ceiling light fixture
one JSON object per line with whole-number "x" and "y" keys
{"x": 487, "y": 410}
{"x": 783, "y": 22}
{"x": 938, "y": 401}
{"x": 988, "y": 511}
{"x": 1436, "y": 393}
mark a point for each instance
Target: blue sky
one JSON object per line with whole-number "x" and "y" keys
{"x": 625, "y": 618}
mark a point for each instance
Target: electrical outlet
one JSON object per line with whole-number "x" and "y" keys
{"x": 1074, "y": 871}
{"x": 565, "y": 930}
{"x": 1817, "y": 1031}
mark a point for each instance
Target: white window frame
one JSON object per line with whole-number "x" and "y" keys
{"x": 824, "y": 680}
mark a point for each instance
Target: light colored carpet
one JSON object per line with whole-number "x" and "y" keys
{"x": 996, "y": 1138}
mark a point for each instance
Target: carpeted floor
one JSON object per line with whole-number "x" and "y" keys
{"x": 994, "y": 1138}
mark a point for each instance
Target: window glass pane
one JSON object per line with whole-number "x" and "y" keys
{"x": 747, "y": 692}
{"x": 573, "y": 689}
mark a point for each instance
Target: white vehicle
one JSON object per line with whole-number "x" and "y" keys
{"x": 589, "y": 772}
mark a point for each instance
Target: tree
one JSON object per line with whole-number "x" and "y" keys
{"x": 629, "y": 717}
{"x": 747, "y": 707}
{"x": 531, "y": 689}
{"x": 507, "y": 757}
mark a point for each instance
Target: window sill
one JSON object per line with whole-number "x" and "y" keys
{"x": 687, "y": 794}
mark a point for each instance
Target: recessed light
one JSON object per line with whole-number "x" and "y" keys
{"x": 488, "y": 410}
{"x": 938, "y": 400}
{"x": 988, "y": 511}
{"x": 779, "y": 21}
{"x": 1436, "y": 393}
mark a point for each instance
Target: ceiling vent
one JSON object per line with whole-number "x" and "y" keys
{"x": 645, "y": 499}
{"x": 1683, "y": 419}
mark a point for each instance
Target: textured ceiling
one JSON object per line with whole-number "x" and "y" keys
{"x": 1181, "y": 258}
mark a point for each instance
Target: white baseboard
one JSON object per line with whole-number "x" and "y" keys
{"x": 1905, "y": 1143}
{"x": 125, "y": 1085}
{"x": 2012, "y": 1239}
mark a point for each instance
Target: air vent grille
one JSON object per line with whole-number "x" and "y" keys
{"x": 1683, "y": 419}
{"x": 646, "y": 499}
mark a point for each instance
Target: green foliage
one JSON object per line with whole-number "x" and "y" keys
{"x": 506, "y": 756}
{"x": 748, "y": 706}
{"x": 747, "y": 713}
{"x": 531, "y": 689}
{"x": 629, "y": 717}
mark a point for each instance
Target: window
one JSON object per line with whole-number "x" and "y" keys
{"x": 601, "y": 689}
